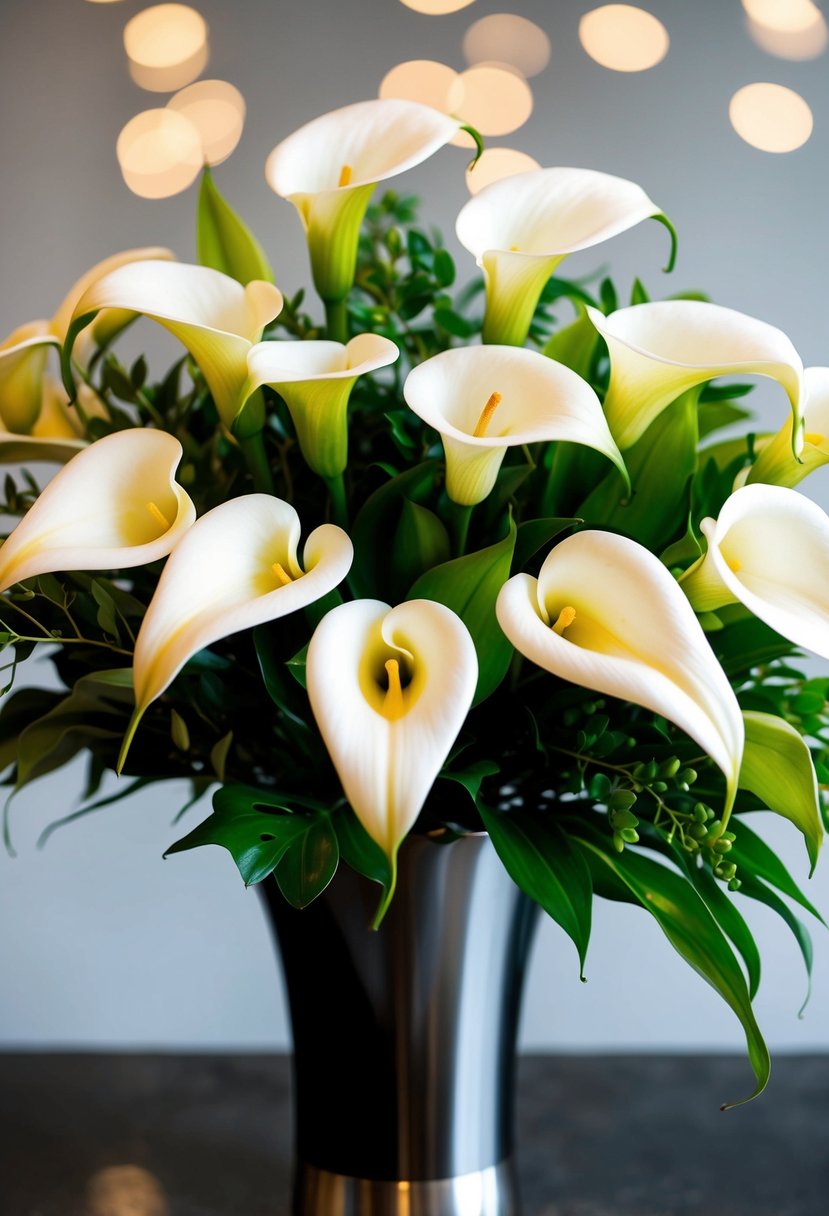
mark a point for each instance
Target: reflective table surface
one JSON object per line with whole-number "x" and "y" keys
{"x": 156, "y": 1135}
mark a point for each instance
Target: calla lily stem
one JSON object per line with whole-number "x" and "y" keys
{"x": 339, "y": 504}
{"x": 253, "y": 449}
{"x": 336, "y": 320}
{"x": 461, "y": 515}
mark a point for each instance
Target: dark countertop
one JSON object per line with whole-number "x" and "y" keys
{"x": 178, "y": 1135}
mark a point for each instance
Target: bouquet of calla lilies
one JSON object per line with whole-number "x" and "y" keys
{"x": 452, "y": 561}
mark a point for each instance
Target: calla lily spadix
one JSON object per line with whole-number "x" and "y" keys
{"x": 237, "y": 567}
{"x": 328, "y": 169}
{"x": 114, "y": 505}
{"x": 606, "y": 614}
{"x": 484, "y": 399}
{"x": 24, "y": 353}
{"x": 775, "y": 464}
{"x": 660, "y": 350}
{"x": 521, "y": 227}
{"x": 315, "y": 379}
{"x": 768, "y": 550}
{"x": 213, "y": 315}
{"x": 390, "y": 689}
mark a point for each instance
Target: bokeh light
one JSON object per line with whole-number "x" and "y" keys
{"x": 770, "y": 117}
{"x": 166, "y": 46}
{"x": 436, "y": 8}
{"x": 217, "y": 110}
{"x": 495, "y": 100}
{"x": 160, "y": 153}
{"x": 807, "y": 43}
{"x": 423, "y": 80}
{"x": 623, "y": 38}
{"x": 791, "y": 16}
{"x": 496, "y": 163}
{"x": 507, "y": 38}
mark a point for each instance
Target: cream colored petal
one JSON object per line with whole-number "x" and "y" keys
{"x": 215, "y": 317}
{"x": 63, "y": 317}
{"x": 116, "y": 504}
{"x": 541, "y": 400}
{"x": 223, "y": 578}
{"x": 23, "y": 358}
{"x": 634, "y": 636}
{"x": 376, "y": 140}
{"x": 387, "y": 761}
{"x": 659, "y": 350}
{"x": 768, "y": 550}
{"x": 776, "y": 464}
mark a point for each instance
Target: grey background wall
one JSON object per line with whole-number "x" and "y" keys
{"x": 101, "y": 941}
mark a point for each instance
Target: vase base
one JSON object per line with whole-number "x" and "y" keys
{"x": 489, "y": 1192}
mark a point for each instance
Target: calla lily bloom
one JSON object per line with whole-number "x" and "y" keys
{"x": 606, "y": 614}
{"x": 660, "y": 350}
{"x": 216, "y": 318}
{"x": 768, "y": 550}
{"x": 315, "y": 379}
{"x": 521, "y": 227}
{"x": 484, "y": 399}
{"x": 237, "y": 567}
{"x": 24, "y": 353}
{"x": 114, "y": 505}
{"x": 328, "y": 169}
{"x": 776, "y": 465}
{"x": 390, "y": 689}
{"x": 57, "y": 435}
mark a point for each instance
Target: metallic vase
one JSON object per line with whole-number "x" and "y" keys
{"x": 404, "y": 1038}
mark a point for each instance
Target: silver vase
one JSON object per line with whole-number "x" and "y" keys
{"x": 404, "y": 1038}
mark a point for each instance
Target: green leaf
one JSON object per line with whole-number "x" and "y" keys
{"x": 443, "y": 268}
{"x": 420, "y": 542}
{"x": 533, "y": 534}
{"x": 638, "y": 294}
{"x": 688, "y": 925}
{"x": 472, "y": 778}
{"x": 469, "y": 586}
{"x": 746, "y": 642}
{"x": 575, "y": 345}
{"x": 256, "y": 839}
{"x": 219, "y": 753}
{"x": 223, "y": 240}
{"x": 754, "y": 857}
{"x": 777, "y": 767}
{"x": 542, "y": 861}
{"x": 179, "y": 732}
{"x": 714, "y": 415}
{"x": 310, "y": 863}
{"x": 374, "y": 528}
{"x": 755, "y": 889}
{"x": 733, "y": 925}
{"x": 359, "y": 850}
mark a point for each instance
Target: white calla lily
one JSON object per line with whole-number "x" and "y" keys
{"x": 768, "y": 550}
{"x": 328, "y": 169}
{"x": 390, "y": 689}
{"x": 521, "y": 227}
{"x": 213, "y": 315}
{"x": 114, "y": 505}
{"x": 775, "y": 464}
{"x": 237, "y": 567}
{"x": 24, "y": 353}
{"x": 484, "y": 399}
{"x": 315, "y": 379}
{"x": 606, "y": 614}
{"x": 660, "y": 350}
{"x": 57, "y": 435}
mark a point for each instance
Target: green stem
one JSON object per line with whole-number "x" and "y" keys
{"x": 461, "y": 516}
{"x": 336, "y": 320}
{"x": 253, "y": 449}
{"x": 339, "y": 504}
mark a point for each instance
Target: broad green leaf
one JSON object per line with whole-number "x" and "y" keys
{"x": 310, "y": 863}
{"x": 280, "y": 689}
{"x": 469, "y": 586}
{"x": 690, "y": 928}
{"x": 575, "y": 345}
{"x": 733, "y": 925}
{"x": 746, "y": 642}
{"x": 256, "y": 839}
{"x": 777, "y": 767}
{"x": 755, "y": 888}
{"x": 472, "y": 778}
{"x": 420, "y": 542}
{"x": 223, "y": 240}
{"x": 542, "y": 861}
{"x": 754, "y": 857}
{"x": 714, "y": 415}
{"x": 124, "y": 792}
{"x": 359, "y": 851}
{"x": 661, "y": 466}
{"x": 374, "y": 528}
{"x": 17, "y": 712}
{"x": 533, "y": 534}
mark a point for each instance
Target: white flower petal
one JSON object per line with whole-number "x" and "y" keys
{"x": 115, "y": 504}
{"x": 768, "y": 550}
{"x": 63, "y": 317}
{"x": 387, "y": 761}
{"x": 634, "y": 636}
{"x": 659, "y": 350}
{"x": 541, "y": 400}
{"x": 23, "y": 358}
{"x": 221, "y": 579}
